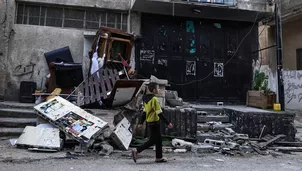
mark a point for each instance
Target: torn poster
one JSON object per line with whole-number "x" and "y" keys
{"x": 191, "y": 68}
{"x": 71, "y": 119}
{"x": 218, "y": 69}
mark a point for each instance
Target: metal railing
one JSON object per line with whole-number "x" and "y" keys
{"x": 223, "y": 2}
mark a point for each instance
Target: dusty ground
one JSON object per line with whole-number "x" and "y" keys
{"x": 12, "y": 159}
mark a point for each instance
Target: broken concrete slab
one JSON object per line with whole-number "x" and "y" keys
{"x": 184, "y": 122}
{"x": 71, "y": 119}
{"x": 178, "y": 143}
{"x": 202, "y": 148}
{"x": 122, "y": 134}
{"x": 209, "y": 118}
{"x": 175, "y": 102}
{"x": 216, "y": 143}
{"x": 106, "y": 150}
{"x": 215, "y": 136}
{"x": 206, "y": 127}
{"x": 180, "y": 150}
{"x": 275, "y": 122}
{"x": 45, "y": 138}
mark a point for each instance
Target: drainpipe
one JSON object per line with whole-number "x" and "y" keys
{"x": 129, "y": 17}
{"x": 279, "y": 54}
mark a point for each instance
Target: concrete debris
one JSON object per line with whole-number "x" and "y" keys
{"x": 241, "y": 137}
{"x": 201, "y": 137}
{"x": 219, "y": 160}
{"x": 165, "y": 149}
{"x": 180, "y": 150}
{"x": 232, "y": 145}
{"x": 122, "y": 134}
{"x": 106, "y": 150}
{"x": 13, "y": 141}
{"x": 178, "y": 143}
{"x": 202, "y": 148}
{"x": 215, "y": 142}
{"x": 80, "y": 149}
{"x": 172, "y": 98}
{"x": 230, "y": 131}
{"x": 45, "y": 138}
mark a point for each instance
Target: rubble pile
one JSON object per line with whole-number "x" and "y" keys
{"x": 227, "y": 142}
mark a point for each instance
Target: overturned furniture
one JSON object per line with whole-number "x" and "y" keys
{"x": 111, "y": 49}
{"x": 105, "y": 86}
{"x": 64, "y": 73}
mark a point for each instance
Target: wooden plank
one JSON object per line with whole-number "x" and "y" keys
{"x": 92, "y": 90}
{"x": 254, "y": 93}
{"x": 115, "y": 72}
{"x": 87, "y": 92}
{"x": 97, "y": 87}
{"x": 112, "y": 77}
{"x": 102, "y": 85}
{"x": 107, "y": 81}
{"x": 120, "y": 39}
{"x": 86, "y": 84}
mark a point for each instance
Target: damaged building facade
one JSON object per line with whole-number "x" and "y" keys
{"x": 292, "y": 59}
{"x": 203, "y": 48}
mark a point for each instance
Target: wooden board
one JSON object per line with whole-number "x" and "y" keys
{"x": 98, "y": 86}
{"x": 127, "y": 86}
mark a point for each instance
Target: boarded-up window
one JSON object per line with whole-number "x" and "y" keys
{"x": 92, "y": 19}
{"x": 33, "y": 15}
{"x": 62, "y": 16}
{"x": 54, "y": 17}
{"x": 74, "y": 18}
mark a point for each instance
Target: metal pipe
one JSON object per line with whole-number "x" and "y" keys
{"x": 279, "y": 54}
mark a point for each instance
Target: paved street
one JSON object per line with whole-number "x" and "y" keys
{"x": 177, "y": 162}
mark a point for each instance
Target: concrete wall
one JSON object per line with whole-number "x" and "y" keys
{"x": 107, "y": 4}
{"x": 267, "y": 58}
{"x": 288, "y": 6}
{"x": 254, "y": 5}
{"x": 23, "y": 46}
{"x": 28, "y": 46}
{"x": 292, "y": 36}
{"x": 5, "y": 35}
{"x": 293, "y": 89}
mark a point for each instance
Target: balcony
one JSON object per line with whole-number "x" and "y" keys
{"x": 219, "y": 2}
{"x": 243, "y": 10}
{"x": 291, "y": 10}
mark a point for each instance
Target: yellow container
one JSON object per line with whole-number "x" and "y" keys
{"x": 277, "y": 107}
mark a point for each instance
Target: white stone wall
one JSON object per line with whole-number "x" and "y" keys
{"x": 293, "y": 89}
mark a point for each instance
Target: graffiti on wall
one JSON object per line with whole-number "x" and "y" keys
{"x": 147, "y": 56}
{"x": 191, "y": 68}
{"x": 190, "y": 27}
{"x": 163, "y": 62}
{"x": 22, "y": 70}
{"x": 293, "y": 88}
{"x": 218, "y": 69}
{"x": 191, "y": 38}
